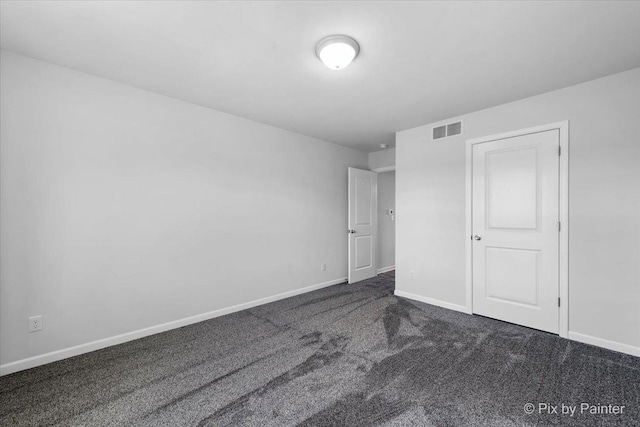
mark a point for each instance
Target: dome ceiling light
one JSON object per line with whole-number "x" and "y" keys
{"x": 337, "y": 51}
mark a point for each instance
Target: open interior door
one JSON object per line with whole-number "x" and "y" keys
{"x": 363, "y": 224}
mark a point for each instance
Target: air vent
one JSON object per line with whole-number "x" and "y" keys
{"x": 454, "y": 129}
{"x": 440, "y": 132}
{"x": 445, "y": 131}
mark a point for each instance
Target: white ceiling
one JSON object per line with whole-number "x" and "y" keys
{"x": 419, "y": 62}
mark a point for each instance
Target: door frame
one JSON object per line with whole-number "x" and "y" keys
{"x": 563, "y": 205}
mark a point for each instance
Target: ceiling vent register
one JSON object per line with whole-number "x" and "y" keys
{"x": 445, "y": 131}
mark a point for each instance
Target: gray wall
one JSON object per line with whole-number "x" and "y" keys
{"x": 604, "y": 204}
{"x": 383, "y": 160}
{"x": 386, "y": 226}
{"x": 122, "y": 209}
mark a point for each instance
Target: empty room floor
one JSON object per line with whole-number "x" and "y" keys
{"x": 347, "y": 355}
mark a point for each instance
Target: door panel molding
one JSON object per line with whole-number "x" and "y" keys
{"x": 363, "y": 252}
{"x": 563, "y": 207}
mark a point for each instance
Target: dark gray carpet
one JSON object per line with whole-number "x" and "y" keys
{"x": 348, "y": 355}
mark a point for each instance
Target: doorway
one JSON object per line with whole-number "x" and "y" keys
{"x": 371, "y": 224}
{"x": 386, "y": 222}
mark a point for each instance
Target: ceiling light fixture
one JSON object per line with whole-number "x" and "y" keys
{"x": 337, "y": 51}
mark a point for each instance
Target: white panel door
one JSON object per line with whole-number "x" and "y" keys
{"x": 515, "y": 229}
{"x": 363, "y": 224}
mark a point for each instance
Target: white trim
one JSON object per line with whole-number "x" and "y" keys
{"x": 432, "y": 301}
{"x": 385, "y": 269}
{"x": 384, "y": 169}
{"x": 574, "y": 336}
{"x": 601, "y": 342}
{"x": 563, "y": 252}
{"x": 65, "y": 353}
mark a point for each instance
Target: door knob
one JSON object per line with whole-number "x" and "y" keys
{"x": 351, "y": 231}
{"x": 476, "y": 237}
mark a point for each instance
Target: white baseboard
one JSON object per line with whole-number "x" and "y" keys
{"x": 65, "y": 353}
{"x": 575, "y": 336}
{"x": 432, "y": 301}
{"x": 385, "y": 269}
{"x": 601, "y": 342}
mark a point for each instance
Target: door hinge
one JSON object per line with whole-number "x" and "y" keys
{"x": 559, "y": 226}
{"x": 558, "y": 301}
{"x": 559, "y": 151}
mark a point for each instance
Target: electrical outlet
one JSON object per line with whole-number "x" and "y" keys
{"x": 412, "y": 274}
{"x": 35, "y": 323}
{"x": 323, "y": 266}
